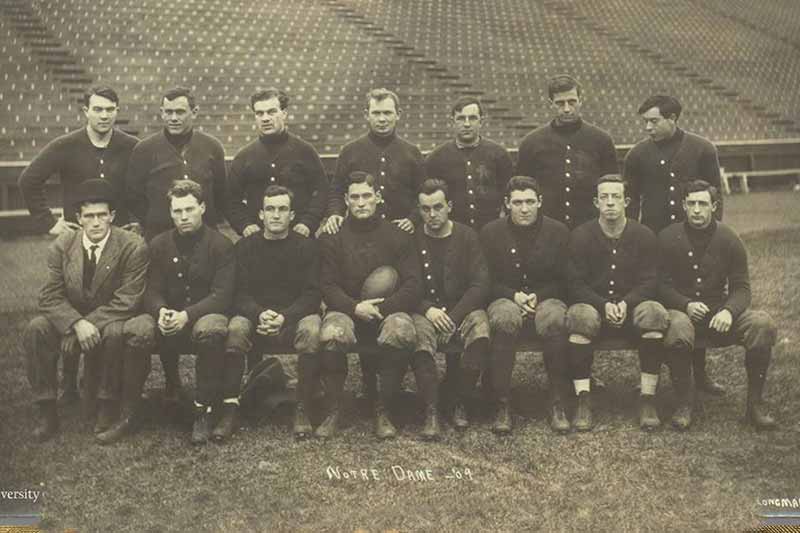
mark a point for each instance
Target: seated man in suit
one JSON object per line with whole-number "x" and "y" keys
{"x": 612, "y": 282}
{"x": 188, "y": 299}
{"x": 278, "y": 297}
{"x": 96, "y": 280}
{"x": 526, "y": 253}
{"x": 365, "y": 242}
{"x": 705, "y": 283}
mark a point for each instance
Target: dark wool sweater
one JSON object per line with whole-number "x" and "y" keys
{"x": 567, "y": 161}
{"x": 281, "y": 159}
{"x": 476, "y": 178}
{"x": 689, "y": 275}
{"x": 397, "y": 167}
{"x": 461, "y": 282}
{"x": 658, "y": 172}
{"x": 155, "y": 164}
{"x": 195, "y": 274}
{"x": 359, "y": 248}
{"x": 603, "y": 270}
{"x": 282, "y": 275}
{"x": 528, "y": 259}
{"x": 74, "y": 159}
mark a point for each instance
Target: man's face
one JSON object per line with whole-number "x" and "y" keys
{"x": 656, "y": 126}
{"x": 101, "y": 114}
{"x": 523, "y": 206}
{"x": 361, "y": 200}
{"x": 467, "y": 124}
{"x": 567, "y": 106}
{"x": 435, "y": 210}
{"x": 276, "y": 214}
{"x": 611, "y": 201}
{"x": 95, "y": 218}
{"x": 270, "y": 118}
{"x": 382, "y": 116}
{"x": 187, "y": 213}
{"x": 699, "y": 209}
{"x": 177, "y": 115}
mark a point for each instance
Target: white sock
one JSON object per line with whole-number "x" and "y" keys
{"x": 201, "y": 406}
{"x": 649, "y": 383}
{"x": 234, "y": 401}
{"x": 581, "y": 385}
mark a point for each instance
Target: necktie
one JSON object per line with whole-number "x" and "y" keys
{"x": 91, "y": 265}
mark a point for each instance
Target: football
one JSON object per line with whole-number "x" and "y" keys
{"x": 381, "y": 283}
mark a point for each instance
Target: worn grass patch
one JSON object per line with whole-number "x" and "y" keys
{"x": 613, "y": 479}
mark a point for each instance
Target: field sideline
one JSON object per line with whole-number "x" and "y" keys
{"x": 613, "y": 479}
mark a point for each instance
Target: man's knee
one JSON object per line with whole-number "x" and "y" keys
{"x": 551, "y": 319}
{"x": 307, "y": 335}
{"x": 651, "y": 317}
{"x": 505, "y": 316}
{"x": 140, "y": 332}
{"x": 209, "y": 329}
{"x": 680, "y": 333}
{"x": 397, "y": 331}
{"x": 757, "y": 330}
{"x": 583, "y": 322}
{"x": 38, "y": 327}
{"x": 240, "y": 331}
{"x": 337, "y": 333}
{"x": 427, "y": 339}
{"x": 475, "y": 327}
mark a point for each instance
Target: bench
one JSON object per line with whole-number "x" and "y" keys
{"x": 744, "y": 175}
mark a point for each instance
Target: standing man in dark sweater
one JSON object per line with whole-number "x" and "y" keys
{"x": 612, "y": 270}
{"x": 704, "y": 279}
{"x": 277, "y": 157}
{"x": 178, "y": 152}
{"x": 567, "y": 156}
{"x": 189, "y": 296}
{"x": 658, "y": 170}
{"x": 97, "y": 151}
{"x": 365, "y": 242}
{"x": 456, "y": 286}
{"x": 527, "y": 252}
{"x": 398, "y": 168}
{"x": 396, "y": 164}
{"x": 475, "y": 169}
{"x": 278, "y": 296}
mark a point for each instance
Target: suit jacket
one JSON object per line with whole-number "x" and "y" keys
{"x": 116, "y": 290}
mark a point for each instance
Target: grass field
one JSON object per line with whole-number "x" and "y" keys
{"x": 613, "y": 479}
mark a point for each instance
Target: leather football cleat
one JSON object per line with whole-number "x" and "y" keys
{"x": 558, "y": 419}
{"x": 228, "y": 423}
{"x": 648, "y": 415}
{"x": 583, "y": 413}
{"x": 502, "y": 422}
{"x": 431, "y": 430}
{"x": 329, "y": 426}
{"x": 302, "y": 425}
{"x": 460, "y": 417}
{"x": 48, "y": 422}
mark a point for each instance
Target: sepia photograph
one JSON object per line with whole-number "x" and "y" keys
{"x": 389, "y": 266}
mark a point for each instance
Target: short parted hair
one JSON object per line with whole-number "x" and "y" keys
{"x": 700, "y": 186}
{"x": 561, "y": 84}
{"x": 667, "y": 105}
{"x": 522, "y": 183}
{"x": 431, "y": 185}
{"x": 612, "y": 178}
{"x": 183, "y": 188}
{"x": 278, "y": 190}
{"x": 177, "y": 92}
{"x": 268, "y": 94}
{"x": 382, "y": 94}
{"x": 100, "y": 90}
{"x": 463, "y": 102}
{"x": 360, "y": 176}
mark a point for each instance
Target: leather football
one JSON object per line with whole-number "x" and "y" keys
{"x": 381, "y": 283}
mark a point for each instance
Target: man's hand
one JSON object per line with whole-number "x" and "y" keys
{"x": 697, "y": 311}
{"x": 171, "y": 322}
{"x": 270, "y": 323}
{"x": 368, "y": 311}
{"x": 333, "y": 224}
{"x": 134, "y": 227}
{"x": 88, "y": 335}
{"x": 250, "y": 229}
{"x": 404, "y": 224}
{"x": 69, "y": 344}
{"x": 722, "y": 321}
{"x": 614, "y": 316}
{"x": 302, "y": 229}
{"x": 62, "y": 226}
{"x": 526, "y": 301}
{"x": 622, "y": 307}
{"x": 441, "y": 320}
